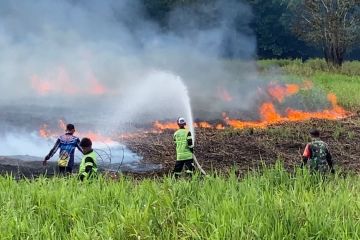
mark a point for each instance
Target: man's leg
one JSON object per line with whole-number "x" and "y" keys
{"x": 189, "y": 167}
{"x": 62, "y": 170}
{"x": 178, "y": 168}
{"x": 69, "y": 170}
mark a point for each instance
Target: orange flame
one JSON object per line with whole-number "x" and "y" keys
{"x": 280, "y": 92}
{"x": 61, "y": 82}
{"x": 224, "y": 95}
{"x": 164, "y": 126}
{"x": 203, "y": 125}
{"x": 269, "y": 115}
{"x": 45, "y": 132}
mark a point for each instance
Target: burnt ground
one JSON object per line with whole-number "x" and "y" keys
{"x": 222, "y": 150}
{"x": 248, "y": 149}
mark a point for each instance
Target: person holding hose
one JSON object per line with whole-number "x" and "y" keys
{"x": 88, "y": 166}
{"x": 318, "y": 154}
{"x": 67, "y": 144}
{"x": 184, "y": 149}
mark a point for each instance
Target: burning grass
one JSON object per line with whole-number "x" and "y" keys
{"x": 271, "y": 205}
{"x": 250, "y": 148}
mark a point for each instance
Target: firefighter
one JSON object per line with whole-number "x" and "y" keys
{"x": 184, "y": 149}
{"x": 67, "y": 144}
{"x": 88, "y": 166}
{"x": 318, "y": 154}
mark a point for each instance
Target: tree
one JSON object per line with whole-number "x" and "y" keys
{"x": 332, "y": 25}
{"x": 274, "y": 36}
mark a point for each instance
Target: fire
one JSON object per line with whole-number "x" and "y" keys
{"x": 203, "y": 125}
{"x": 269, "y": 115}
{"x": 41, "y": 87}
{"x": 61, "y": 82}
{"x": 280, "y": 92}
{"x": 164, "y": 126}
{"x": 45, "y": 132}
{"x": 224, "y": 95}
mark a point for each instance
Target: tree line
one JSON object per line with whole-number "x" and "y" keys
{"x": 289, "y": 28}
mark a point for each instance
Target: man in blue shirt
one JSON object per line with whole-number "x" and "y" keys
{"x": 67, "y": 144}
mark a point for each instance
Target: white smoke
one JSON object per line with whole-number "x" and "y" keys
{"x": 50, "y": 48}
{"x": 90, "y": 60}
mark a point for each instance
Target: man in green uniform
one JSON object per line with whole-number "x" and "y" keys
{"x": 88, "y": 166}
{"x": 318, "y": 154}
{"x": 184, "y": 149}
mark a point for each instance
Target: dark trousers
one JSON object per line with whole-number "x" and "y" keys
{"x": 189, "y": 167}
{"x": 65, "y": 170}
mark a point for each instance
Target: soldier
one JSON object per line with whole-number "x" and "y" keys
{"x": 318, "y": 154}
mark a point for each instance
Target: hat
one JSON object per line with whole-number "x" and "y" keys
{"x": 181, "y": 121}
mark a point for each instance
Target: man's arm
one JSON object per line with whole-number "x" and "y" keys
{"x": 78, "y": 146}
{"x": 306, "y": 155}
{"x": 52, "y": 151}
{"x": 330, "y": 161}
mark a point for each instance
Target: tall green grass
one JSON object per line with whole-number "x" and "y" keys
{"x": 271, "y": 205}
{"x": 346, "y": 88}
{"x": 310, "y": 67}
{"x": 344, "y": 82}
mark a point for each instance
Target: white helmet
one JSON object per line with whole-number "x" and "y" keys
{"x": 181, "y": 121}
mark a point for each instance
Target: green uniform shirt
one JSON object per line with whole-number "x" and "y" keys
{"x": 88, "y": 160}
{"x": 183, "y": 151}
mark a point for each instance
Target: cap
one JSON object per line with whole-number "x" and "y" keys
{"x": 181, "y": 121}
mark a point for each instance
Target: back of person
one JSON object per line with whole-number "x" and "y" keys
{"x": 183, "y": 152}
{"x": 88, "y": 166}
{"x": 67, "y": 144}
{"x": 319, "y": 152}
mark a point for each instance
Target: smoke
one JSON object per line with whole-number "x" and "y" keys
{"x": 75, "y": 49}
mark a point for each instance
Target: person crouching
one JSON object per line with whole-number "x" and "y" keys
{"x": 88, "y": 166}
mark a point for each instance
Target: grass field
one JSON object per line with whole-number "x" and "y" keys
{"x": 273, "y": 205}
{"x": 344, "y": 82}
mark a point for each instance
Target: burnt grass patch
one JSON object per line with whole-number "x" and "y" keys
{"x": 228, "y": 149}
{"x": 251, "y": 149}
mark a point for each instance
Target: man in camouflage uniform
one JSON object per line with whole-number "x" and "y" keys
{"x": 318, "y": 154}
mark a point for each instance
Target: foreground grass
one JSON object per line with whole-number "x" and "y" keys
{"x": 273, "y": 205}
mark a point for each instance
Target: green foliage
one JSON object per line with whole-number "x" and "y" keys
{"x": 310, "y": 67}
{"x": 273, "y": 32}
{"x": 271, "y": 205}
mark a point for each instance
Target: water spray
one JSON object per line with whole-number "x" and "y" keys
{"x": 189, "y": 116}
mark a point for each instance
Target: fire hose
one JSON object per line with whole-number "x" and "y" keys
{"x": 198, "y": 165}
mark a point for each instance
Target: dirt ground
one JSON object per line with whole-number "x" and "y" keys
{"x": 247, "y": 149}
{"x": 244, "y": 149}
